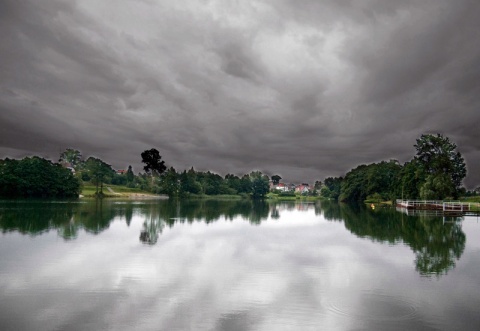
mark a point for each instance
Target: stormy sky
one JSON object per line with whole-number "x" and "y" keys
{"x": 305, "y": 89}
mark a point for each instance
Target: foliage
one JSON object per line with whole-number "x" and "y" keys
{"x": 375, "y": 197}
{"x": 409, "y": 181}
{"x": 119, "y": 179}
{"x": 367, "y": 180}
{"x": 287, "y": 194}
{"x": 72, "y": 156}
{"x": 189, "y": 183}
{"x": 437, "y": 187}
{"x": 260, "y": 185}
{"x": 276, "y": 179}
{"x": 99, "y": 173}
{"x": 130, "y": 176}
{"x": 170, "y": 183}
{"x": 153, "y": 162}
{"x": 435, "y": 172}
{"x": 36, "y": 177}
{"x": 445, "y": 167}
{"x": 332, "y": 187}
{"x": 193, "y": 183}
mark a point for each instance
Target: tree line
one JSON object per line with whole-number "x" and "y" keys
{"x": 36, "y": 177}
{"x": 435, "y": 172}
{"x": 191, "y": 182}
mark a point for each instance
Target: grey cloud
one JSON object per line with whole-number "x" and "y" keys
{"x": 307, "y": 89}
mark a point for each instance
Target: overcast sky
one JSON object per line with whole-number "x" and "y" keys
{"x": 305, "y": 89}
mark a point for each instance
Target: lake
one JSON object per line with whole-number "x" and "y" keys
{"x": 234, "y": 265}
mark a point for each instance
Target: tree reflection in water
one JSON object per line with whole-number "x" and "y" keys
{"x": 437, "y": 245}
{"x": 152, "y": 227}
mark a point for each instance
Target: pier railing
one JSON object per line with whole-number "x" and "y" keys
{"x": 445, "y": 206}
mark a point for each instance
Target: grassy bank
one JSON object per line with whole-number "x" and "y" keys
{"x": 217, "y": 197}
{"x": 474, "y": 203}
{"x": 116, "y": 191}
{"x": 274, "y": 196}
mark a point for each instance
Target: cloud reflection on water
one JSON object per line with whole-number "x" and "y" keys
{"x": 302, "y": 270}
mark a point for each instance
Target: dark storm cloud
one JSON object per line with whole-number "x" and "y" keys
{"x": 306, "y": 89}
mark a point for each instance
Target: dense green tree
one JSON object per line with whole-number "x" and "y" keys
{"x": 233, "y": 182}
{"x": 332, "y": 187}
{"x": 276, "y": 179}
{"x": 99, "y": 172}
{"x": 366, "y": 181}
{"x": 382, "y": 179}
{"x": 130, "y": 176}
{"x": 212, "y": 183}
{"x": 36, "y": 177}
{"x": 141, "y": 181}
{"x": 170, "y": 183}
{"x": 437, "y": 187}
{"x": 189, "y": 183}
{"x": 435, "y": 172}
{"x": 353, "y": 186}
{"x": 409, "y": 181}
{"x": 260, "y": 185}
{"x": 245, "y": 184}
{"x": 438, "y": 157}
{"x": 72, "y": 156}
{"x": 153, "y": 163}
{"x": 119, "y": 179}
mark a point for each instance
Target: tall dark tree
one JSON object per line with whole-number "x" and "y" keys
{"x": 72, "y": 156}
{"x": 276, "y": 179}
{"x": 260, "y": 185}
{"x": 170, "y": 183}
{"x": 444, "y": 166}
{"x": 411, "y": 178}
{"x": 99, "y": 173}
{"x": 153, "y": 162}
{"x": 188, "y": 182}
{"x": 233, "y": 182}
{"x": 332, "y": 187}
{"x": 130, "y": 175}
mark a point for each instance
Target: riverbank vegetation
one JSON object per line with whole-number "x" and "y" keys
{"x": 36, "y": 177}
{"x": 435, "y": 172}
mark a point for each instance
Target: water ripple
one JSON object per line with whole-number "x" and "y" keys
{"x": 372, "y": 305}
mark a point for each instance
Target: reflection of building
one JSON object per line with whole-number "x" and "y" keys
{"x": 303, "y": 206}
{"x": 286, "y": 206}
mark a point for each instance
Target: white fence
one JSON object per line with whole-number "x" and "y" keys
{"x": 433, "y": 204}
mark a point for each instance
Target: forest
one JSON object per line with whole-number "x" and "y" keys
{"x": 436, "y": 171}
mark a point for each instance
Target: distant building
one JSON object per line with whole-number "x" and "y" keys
{"x": 302, "y": 188}
{"x": 121, "y": 172}
{"x": 281, "y": 187}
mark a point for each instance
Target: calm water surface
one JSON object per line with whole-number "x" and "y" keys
{"x": 160, "y": 265}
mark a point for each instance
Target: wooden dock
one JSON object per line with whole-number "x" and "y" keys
{"x": 443, "y": 206}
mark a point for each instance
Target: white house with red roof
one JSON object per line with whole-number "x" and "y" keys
{"x": 302, "y": 188}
